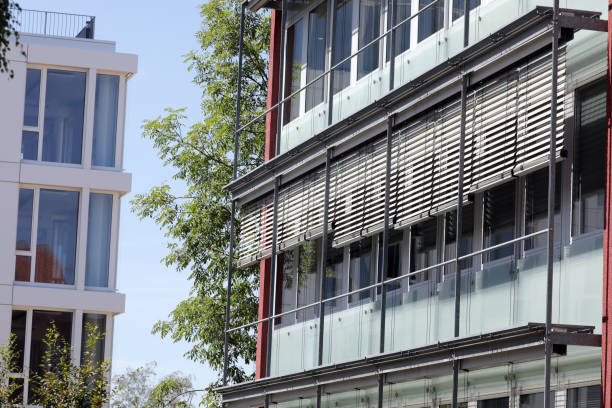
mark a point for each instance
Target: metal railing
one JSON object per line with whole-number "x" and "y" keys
{"x": 54, "y": 24}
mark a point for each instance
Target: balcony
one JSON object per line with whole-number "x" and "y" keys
{"x": 55, "y": 24}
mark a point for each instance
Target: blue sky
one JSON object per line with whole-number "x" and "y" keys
{"x": 159, "y": 32}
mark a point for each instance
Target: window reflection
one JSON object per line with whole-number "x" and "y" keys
{"x": 98, "y": 239}
{"x": 308, "y": 278}
{"x": 105, "y": 120}
{"x": 369, "y": 29}
{"x": 450, "y": 236}
{"x": 98, "y": 321}
{"x": 394, "y": 268}
{"x": 317, "y": 45}
{"x": 360, "y": 269}
{"x": 341, "y": 45}
{"x": 536, "y": 207}
{"x": 499, "y": 210}
{"x": 401, "y": 11}
{"x": 459, "y": 5}
{"x": 24, "y": 219}
{"x": 32, "y": 97}
{"x": 423, "y": 251}
{"x": 334, "y": 274}
{"x": 293, "y": 70}
{"x": 29, "y": 145}
{"x": 432, "y": 19}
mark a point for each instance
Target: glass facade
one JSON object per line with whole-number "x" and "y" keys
{"x": 98, "y": 239}
{"x": 105, "y": 120}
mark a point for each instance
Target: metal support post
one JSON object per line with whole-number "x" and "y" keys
{"x": 273, "y": 275}
{"x": 324, "y": 255}
{"x": 391, "y": 40}
{"x": 466, "y": 23}
{"x": 318, "y": 396}
{"x": 381, "y": 389}
{"x": 385, "y": 248}
{"x": 230, "y": 263}
{"x": 551, "y": 202}
{"x": 330, "y": 90}
{"x": 281, "y": 77}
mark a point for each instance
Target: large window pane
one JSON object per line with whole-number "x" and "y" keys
{"x": 29, "y": 145}
{"x": 32, "y": 97}
{"x": 18, "y": 327}
{"x": 589, "y": 160}
{"x": 401, "y": 11}
{"x": 536, "y": 207}
{"x": 450, "y": 236}
{"x": 432, "y": 19}
{"x": 369, "y": 29}
{"x": 57, "y": 232}
{"x": 341, "y": 44}
{"x": 499, "y": 205}
{"x": 23, "y": 266}
{"x": 360, "y": 269}
{"x": 24, "y": 219}
{"x": 293, "y": 70}
{"x": 503, "y": 402}
{"x": 534, "y": 400}
{"x": 394, "y": 262}
{"x": 308, "y": 279}
{"x": 317, "y": 44}
{"x": 105, "y": 120}
{"x": 288, "y": 292}
{"x": 584, "y": 397}
{"x": 334, "y": 275}
{"x": 98, "y": 239}
{"x": 459, "y": 5}
{"x": 64, "y": 107}
{"x": 423, "y": 251}
{"x": 96, "y": 349}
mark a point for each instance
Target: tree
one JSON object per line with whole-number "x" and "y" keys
{"x": 9, "y": 364}
{"x": 134, "y": 389}
{"x": 61, "y": 383}
{"x": 196, "y": 223}
{"x": 8, "y": 29}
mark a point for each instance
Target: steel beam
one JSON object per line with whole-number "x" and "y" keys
{"x": 281, "y": 77}
{"x": 324, "y": 240}
{"x": 330, "y": 80}
{"x": 273, "y": 276}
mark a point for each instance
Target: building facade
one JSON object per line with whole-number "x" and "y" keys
{"x": 416, "y": 246}
{"x": 61, "y": 182}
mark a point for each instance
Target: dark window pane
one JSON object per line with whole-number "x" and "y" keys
{"x": 341, "y": 44}
{"x": 293, "y": 70}
{"x": 459, "y": 5}
{"x": 503, "y": 402}
{"x": 98, "y": 239}
{"x": 499, "y": 204}
{"x": 423, "y": 251}
{"x": 41, "y": 322}
{"x": 467, "y": 234}
{"x": 401, "y": 11}
{"x": 395, "y": 258}
{"x": 589, "y": 159}
{"x": 308, "y": 278}
{"x": 64, "y": 107}
{"x": 536, "y": 207}
{"x": 18, "y": 327}
{"x": 369, "y": 29}
{"x": 360, "y": 269}
{"x": 105, "y": 120}
{"x": 29, "y": 145}
{"x": 584, "y": 397}
{"x": 334, "y": 273}
{"x": 534, "y": 400}
{"x": 432, "y": 19}
{"x": 317, "y": 44}
{"x": 22, "y": 268}
{"x": 96, "y": 350}
{"x": 32, "y": 97}
{"x": 288, "y": 293}
{"x": 24, "y": 219}
{"x": 57, "y": 232}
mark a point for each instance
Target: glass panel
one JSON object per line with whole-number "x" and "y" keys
{"x": 64, "y": 110}
{"x": 341, "y": 44}
{"x": 503, "y": 402}
{"x": 293, "y": 70}
{"x": 360, "y": 269}
{"x": 499, "y": 205}
{"x": 98, "y": 239}
{"x": 288, "y": 292}
{"x": 450, "y": 236}
{"x": 32, "y": 97}
{"x": 432, "y": 19}
{"x": 589, "y": 160}
{"x": 536, "y": 207}
{"x": 334, "y": 275}
{"x": 18, "y": 327}
{"x": 395, "y": 265}
{"x": 423, "y": 251}
{"x": 401, "y": 11}
{"x": 57, "y": 233}
{"x": 459, "y": 5}
{"x": 93, "y": 320}
{"x": 24, "y": 219}
{"x": 105, "y": 120}
{"x": 22, "y": 268}
{"x": 41, "y": 322}
{"x": 534, "y": 400}
{"x": 584, "y": 397}
{"x": 29, "y": 145}
{"x": 369, "y": 29}
{"x": 317, "y": 45}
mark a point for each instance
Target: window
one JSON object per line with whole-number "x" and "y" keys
{"x": 317, "y": 45}
{"x": 62, "y": 126}
{"x": 293, "y": 70}
{"x": 90, "y": 349}
{"x": 459, "y": 5}
{"x": 450, "y": 237}
{"x": 369, "y": 29}
{"x": 334, "y": 274}
{"x": 289, "y": 284}
{"x": 503, "y": 402}
{"x": 423, "y": 251}
{"x": 536, "y": 207}
{"x": 341, "y": 44}
{"x": 589, "y": 159}
{"x": 54, "y": 243}
{"x": 534, "y": 400}
{"x": 98, "y": 239}
{"x": 401, "y": 11}
{"x": 18, "y": 328}
{"x": 499, "y": 210}
{"x": 432, "y": 19}
{"x": 105, "y": 120}
{"x": 360, "y": 269}
{"x": 584, "y": 397}
{"x": 396, "y": 239}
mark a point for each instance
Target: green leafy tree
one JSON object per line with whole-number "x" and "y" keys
{"x": 10, "y": 389}
{"x": 8, "y": 29}
{"x": 61, "y": 383}
{"x": 197, "y": 222}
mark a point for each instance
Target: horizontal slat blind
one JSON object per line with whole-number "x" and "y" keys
{"x": 255, "y": 231}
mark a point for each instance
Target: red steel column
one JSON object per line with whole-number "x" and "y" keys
{"x": 270, "y": 151}
{"x": 606, "y": 343}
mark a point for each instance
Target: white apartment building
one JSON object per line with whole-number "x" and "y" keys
{"x": 61, "y": 182}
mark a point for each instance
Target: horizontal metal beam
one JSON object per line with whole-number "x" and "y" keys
{"x": 583, "y": 23}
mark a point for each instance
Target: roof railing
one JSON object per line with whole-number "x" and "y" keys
{"x": 54, "y": 23}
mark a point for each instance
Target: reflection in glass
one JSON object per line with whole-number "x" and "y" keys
{"x": 293, "y": 70}
{"x": 24, "y": 219}
{"x": 534, "y": 400}
{"x": 499, "y": 205}
{"x": 289, "y": 282}
{"x": 22, "y": 268}
{"x": 502, "y": 402}
{"x": 423, "y": 252}
{"x": 308, "y": 279}
{"x": 401, "y": 11}
{"x": 536, "y": 207}
{"x": 64, "y": 110}
{"x": 341, "y": 44}
{"x": 317, "y": 45}
{"x": 334, "y": 274}
{"x": 93, "y": 320}
{"x": 56, "y": 239}
{"x": 459, "y": 5}
{"x": 105, "y": 120}
{"x": 18, "y": 327}
{"x": 29, "y": 145}
{"x": 360, "y": 269}
{"x": 432, "y": 19}
{"x": 98, "y": 239}
{"x": 584, "y": 397}
{"x": 394, "y": 269}
{"x": 32, "y": 97}
{"x": 450, "y": 236}
{"x": 369, "y": 29}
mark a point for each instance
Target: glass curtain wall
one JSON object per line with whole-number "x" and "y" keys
{"x": 369, "y": 29}
{"x": 317, "y": 45}
{"x": 341, "y": 43}
{"x": 401, "y": 11}
{"x": 432, "y": 19}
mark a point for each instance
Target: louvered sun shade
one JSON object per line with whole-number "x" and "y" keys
{"x": 255, "y": 231}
